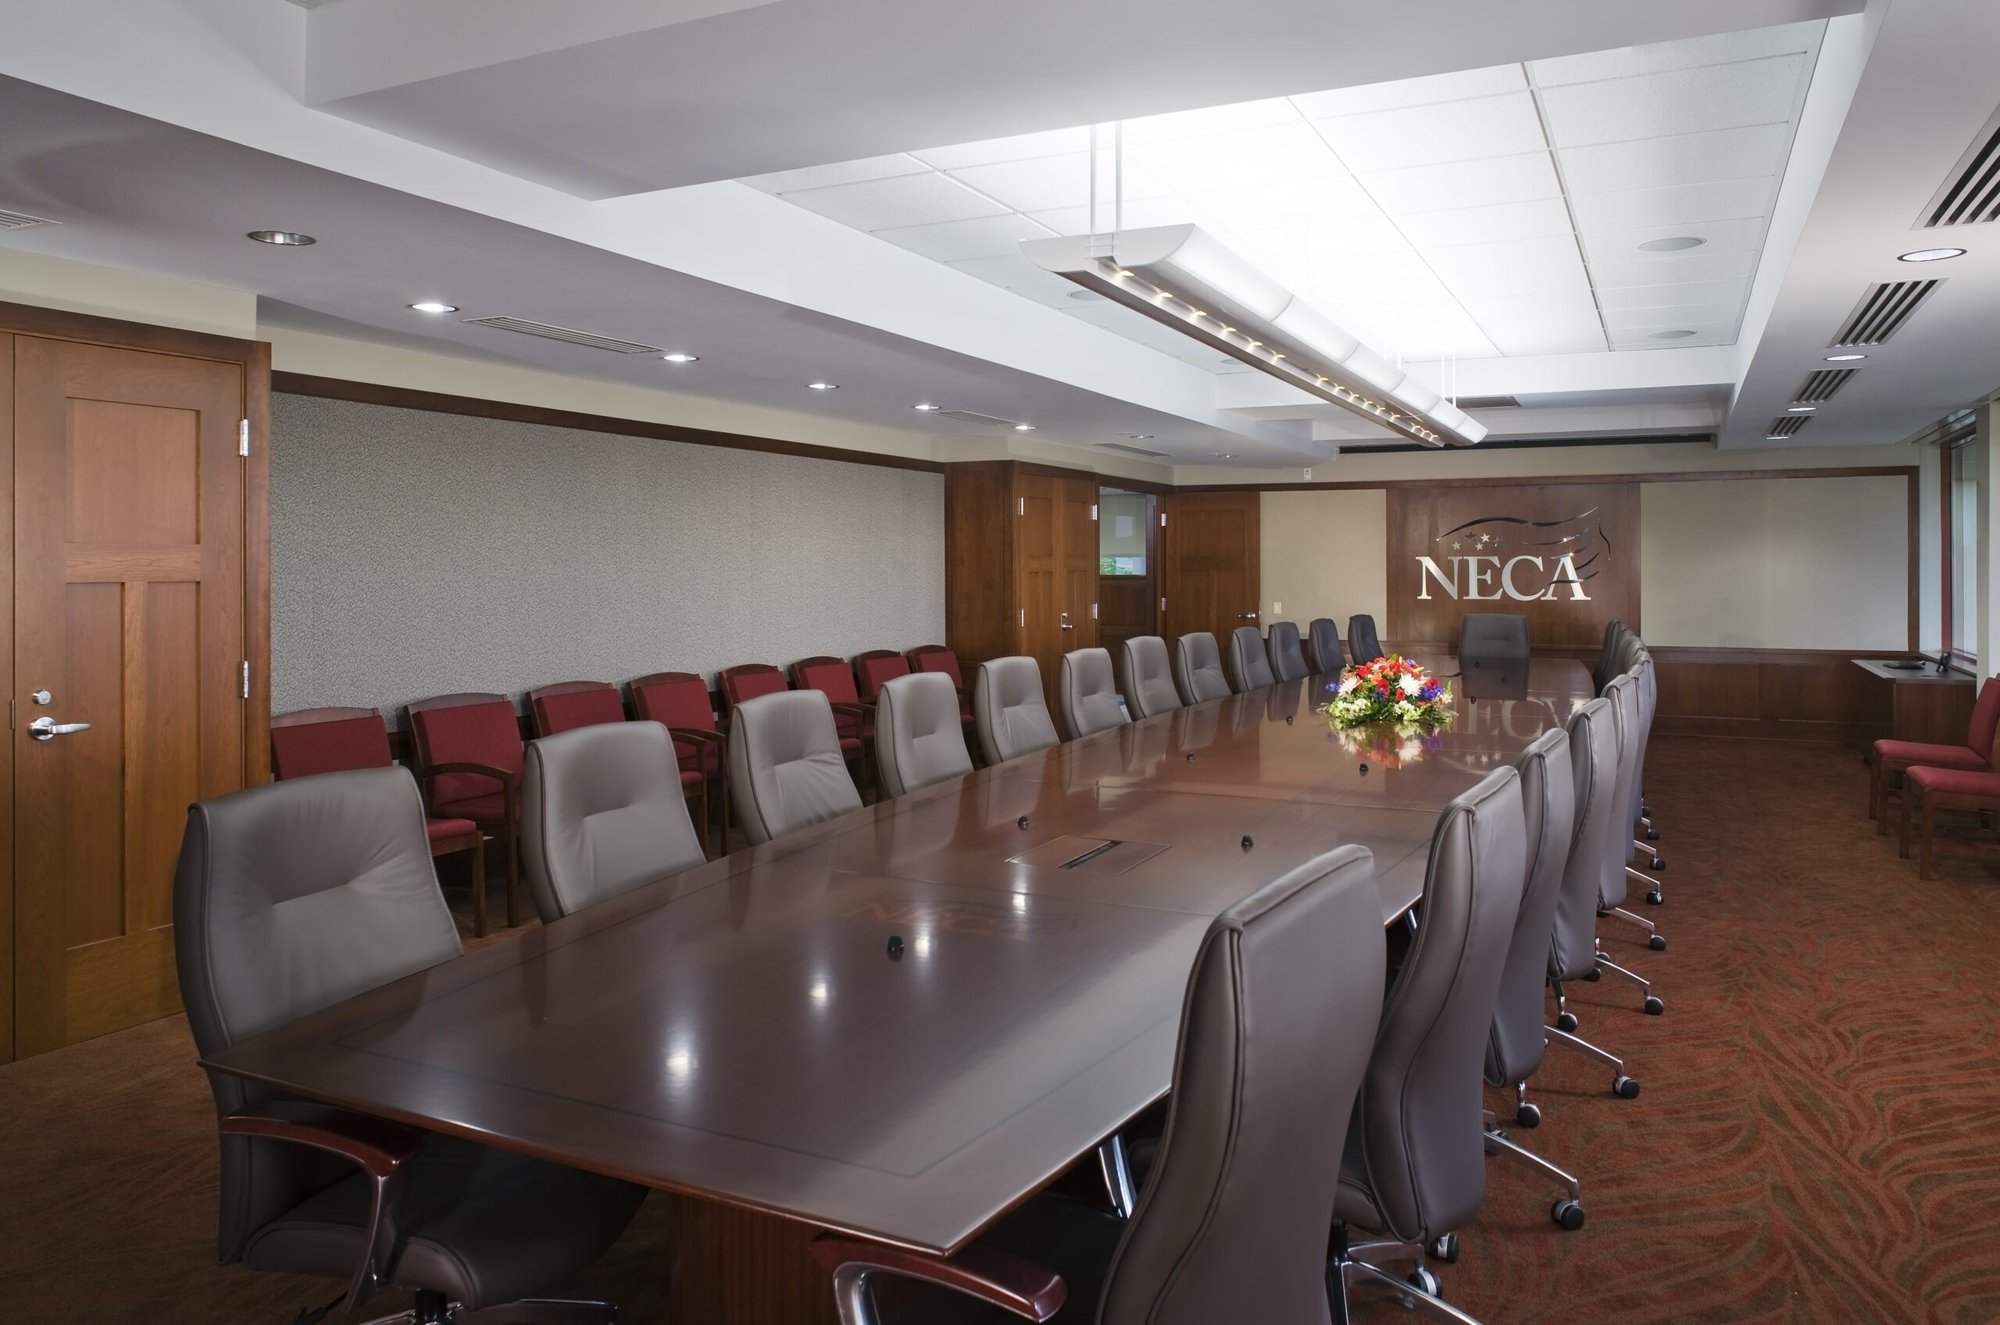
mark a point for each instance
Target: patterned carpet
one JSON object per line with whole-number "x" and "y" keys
{"x": 1818, "y": 1139}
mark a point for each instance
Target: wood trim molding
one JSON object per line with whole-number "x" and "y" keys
{"x": 1539, "y": 481}
{"x": 436, "y": 402}
{"x": 57, "y": 324}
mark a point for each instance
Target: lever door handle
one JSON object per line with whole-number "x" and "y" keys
{"x": 47, "y": 729}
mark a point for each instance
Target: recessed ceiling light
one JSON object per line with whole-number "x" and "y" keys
{"x": 1024, "y": 427}
{"x": 1138, "y": 436}
{"x": 1674, "y": 244}
{"x": 1678, "y": 333}
{"x": 1930, "y": 255}
{"x": 1800, "y": 409}
{"x": 1223, "y": 455}
{"x": 680, "y": 358}
{"x": 1845, "y": 358}
{"x": 284, "y": 238}
{"x": 822, "y": 386}
{"x": 1084, "y": 296}
{"x": 928, "y": 409}
{"x": 433, "y": 306}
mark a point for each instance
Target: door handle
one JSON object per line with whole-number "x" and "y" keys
{"x": 1248, "y": 616}
{"x": 47, "y": 729}
{"x": 1067, "y": 626}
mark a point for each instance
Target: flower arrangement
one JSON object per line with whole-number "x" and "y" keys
{"x": 1391, "y": 689}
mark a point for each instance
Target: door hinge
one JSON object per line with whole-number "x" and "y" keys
{"x": 1093, "y": 510}
{"x": 246, "y": 678}
{"x": 1163, "y": 519}
{"x": 1093, "y": 611}
{"x": 1163, "y": 604}
{"x": 243, "y": 438}
{"x": 1024, "y": 618}
{"x": 1020, "y": 505}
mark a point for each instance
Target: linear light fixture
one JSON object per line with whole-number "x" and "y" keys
{"x": 1184, "y": 277}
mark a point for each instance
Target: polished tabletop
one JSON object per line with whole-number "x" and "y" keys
{"x": 743, "y": 1032}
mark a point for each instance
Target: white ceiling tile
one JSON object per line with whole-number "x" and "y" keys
{"x": 1010, "y": 271}
{"x": 906, "y": 200}
{"x": 1624, "y": 321}
{"x": 1499, "y": 179}
{"x": 1412, "y": 92}
{"x": 1721, "y": 236}
{"x": 1518, "y": 255}
{"x": 1624, "y": 298}
{"x": 839, "y": 172}
{"x": 1020, "y": 147}
{"x": 1567, "y": 280}
{"x": 956, "y": 241}
{"x": 1209, "y": 119}
{"x": 1721, "y": 48}
{"x": 1526, "y": 336}
{"x": 1328, "y": 198}
{"x": 1700, "y": 264}
{"x": 1725, "y": 96}
{"x": 1428, "y": 135}
{"x": 1051, "y": 182}
{"x": 1238, "y": 159}
{"x": 1138, "y": 213}
{"x": 1491, "y": 225}
{"x": 1707, "y": 333}
{"x": 1681, "y": 205}
{"x": 1691, "y": 158}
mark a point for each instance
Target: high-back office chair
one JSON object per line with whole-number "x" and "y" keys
{"x": 1607, "y": 657}
{"x": 1249, "y": 666}
{"x": 854, "y": 720}
{"x": 918, "y": 739}
{"x": 874, "y": 667}
{"x": 601, "y": 814}
{"x": 1414, "y": 1168}
{"x": 567, "y": 705}
{"x": 1149, "y": 677}
{"x": 1518, "y": 1037}
{"x": 1323, "y": 643}
{"x": 746, "y": 681}
{"x": 1275, "y": 1033}
{"x": 1638, "y": 664}
{"x": 308, "y": 742}
{"x": 468, "y": 756}
{"x": 1288, "y": 656}
{"x": 1361, "y": 641}
{"x": 1198, "y": 668}
{"x": 1088, "y": 693}
{"x": 289, "y": 898}
{"x": 680, "y": 702}
{"x": 786, "y": 771}
{"x": 1012, "y": 715}
{"x": 1494, "y": 639}
{"x": 1593, "y": 758}
{"x": 1615, "y": 848}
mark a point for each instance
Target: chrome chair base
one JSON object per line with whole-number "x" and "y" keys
{"x": 1566, "y": 1212}
{"x": 433, "y": 1309}
{"x": 1653, "y": 1006}
{"x": 1359, "y": 1268}
{"x": 1116, "y": 1167}
{"x": 1654, "y": 939}
{"x": 1624, "y": 1087}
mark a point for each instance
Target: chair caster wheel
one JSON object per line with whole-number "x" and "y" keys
{"x": 1568, "y": 1213}
{"x": 1656, "y": 898}
{"x": 1624, "y": 1087}
{"x": 1645, "y": 811}
{"x": 1657, "y": 865}
{"x": 1654, "y": 1007}
{"x": 1528, "y": 1115}
{"x": 1425, "y": 1282}
{"x": 1593, "y": 975}
{"x": 1652, "y": 834}
{"x": 1567, "y": 1022}
{"x": 1445, "y": 1248}
{"x": 1658, "y": 943}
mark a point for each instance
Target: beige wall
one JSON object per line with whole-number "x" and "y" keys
{"x": 1798, "y": 563}
{"x": 79, "y": 287}
{"x": 1324, "y": 554}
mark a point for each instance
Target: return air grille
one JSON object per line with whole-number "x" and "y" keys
{"x": 1882, "y": 312}
{"x": 22, "y": 221}
{"x": 1972, "y": 194}
{"x": 1822, "y": 386}
{"x": 1132, "y": 450}
{"x": 1786, "y": 424}
{"x": 569, "y": 335}
{"x": 972, "y": 416}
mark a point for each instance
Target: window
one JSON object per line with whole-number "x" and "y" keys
{"x": 1123, "y": 521}
{"x": 1961, "y": 540}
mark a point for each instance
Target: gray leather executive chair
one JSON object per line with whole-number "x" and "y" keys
{"x": 1593, "y": 759}
{"x": 919, "y": 736}
{"x": 602, "y": 813}
{"x": 1614, "y": 631}
{"x": 1088, "y": 693}
{"x": 786, "y": 771}
{"x": 1518, "y": 1037}
{"x": 1415, "y": 1165}
{"x": 1616, "y": 848}
{"x": 291, "y": 897}
{"x": 1636, "y": 661}
{"x": 1323, "y": 644}
{"x": 1361, "y": 641}
{"x": 1149, "y": 677}
{"x": 1276, "y": 1029}
{"x": 1288, "y": 656}
{"x": 1010, "y": 711}
{"x": 1198, "y": 668}
{"x": 1249, "y": 666}
{"x": 1493, "y": 640}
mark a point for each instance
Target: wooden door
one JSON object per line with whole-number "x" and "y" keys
{"x": 1079, "y": 563}
{"x": 1039, "y": 520}
{"x": 1211, "y": 563}
{"x": 129, "y": 519}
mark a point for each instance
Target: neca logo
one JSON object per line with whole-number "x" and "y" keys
{"x": 1503, "y": 556}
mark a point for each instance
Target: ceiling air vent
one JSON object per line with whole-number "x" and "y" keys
{"x": 1487, "y": 402}
{"x": 1972, "y": 194}
{"x": 1822, "y": 386}
{"x": 1131, "y": 450}
{"x": 1785, "y": 425}
{"x": 567, "y": 334}
{"x": 22, "y": 221}
{"x": 1882, "y": 312}
{"x": 969, "y": 416}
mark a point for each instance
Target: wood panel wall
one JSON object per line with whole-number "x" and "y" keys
{"x": 1795, "y": 694}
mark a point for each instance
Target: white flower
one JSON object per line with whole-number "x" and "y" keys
{"x": 1410, "y": 685}
{"x": 1347, "y": 685}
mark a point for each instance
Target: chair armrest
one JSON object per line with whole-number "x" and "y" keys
{"x": 695, "y": 734}
{"x": 863, "y": 711}
{"x": 500, "y": 775}
{"x": 993, "y": 1276}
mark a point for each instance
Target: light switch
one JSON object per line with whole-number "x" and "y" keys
{"x": 1277, "y": 608}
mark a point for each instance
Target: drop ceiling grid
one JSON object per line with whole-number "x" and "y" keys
{"x": 1440, "y": 215}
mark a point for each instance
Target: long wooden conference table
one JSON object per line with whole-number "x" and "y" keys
{"x": 741, "y": 1035}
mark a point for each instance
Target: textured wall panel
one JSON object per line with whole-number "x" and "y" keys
{"x": 415, "y": 554}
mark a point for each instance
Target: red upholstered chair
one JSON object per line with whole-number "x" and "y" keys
{"x": 853, "y": 720}
{"x": 1889, "y": 758}
{"x": 874, "y": 667}
{"x": 468, "y": 751}
{"x": 749, "y": 680}
{"x": 333, "y": 740}
{"x": 570, "y": 704}
{"x": 937, "y": 658}
{"x": 679, "y": 701}
{"x": 1927, "y": 790}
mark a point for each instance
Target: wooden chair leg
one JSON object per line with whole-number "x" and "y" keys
{"x": 513, "y": 844}
{"x": 1875, "y": 805}
{"x": 1884, "y": 780}
{"x": 478, "y": 883}
{"x": 1903, "y": 838}
{"x": 1924, "y": 862}
{"x": 701, "y": 790}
